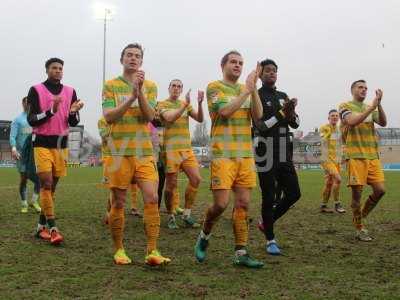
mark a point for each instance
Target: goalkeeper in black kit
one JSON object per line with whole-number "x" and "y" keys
{"x": 273, "y": 144}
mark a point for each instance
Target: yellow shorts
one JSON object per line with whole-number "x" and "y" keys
{"x": 331, "y": 168}
{"x": 120, "y": 171}
{"x": 177, "y": 160}
{"x": 51, "y": 160}
{"x": 233, "y": 172}
{"x": 364, "y": 171}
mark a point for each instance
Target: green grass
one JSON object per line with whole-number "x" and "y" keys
{"x": 322, "y": 259}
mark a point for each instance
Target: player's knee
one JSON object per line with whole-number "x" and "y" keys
{"x": 154, "y": 199}
{"x": 296, "y": 195}
{"x": 195, "y": 181}
{"x": 219, "y": 208}
{"x": 380, "y": 192}
{"x": 23, "y": 180}
{"x": 171, "y": 186}
{"x": 47, "y": 184}
{"x": 242, "y": 205}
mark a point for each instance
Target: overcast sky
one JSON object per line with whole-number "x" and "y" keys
{"x": 319, "y": 46}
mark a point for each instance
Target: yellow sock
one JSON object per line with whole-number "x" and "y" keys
{"x": 151, "y": 225}
{"x": 190, "y": 196}
{"x": 240, "y": 226}
{"x": 175, "y": 199}
{"x": 116, "y": 222}
{"x": 46, "y": 203}
{"x": 134, "y": 193}
{"x": 357, "y": 222}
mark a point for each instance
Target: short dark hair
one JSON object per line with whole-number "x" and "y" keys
{"x": 332, "y": 111}
{"x": 357, "y": 81}
{"x": 133, "y": 45}
{"x": 25, "y": 99}
{"x": 268, "y": 61}
{"x": 225, "y": 58}
{"x": 54, "y": 60}
{"x": 176, "y": 79}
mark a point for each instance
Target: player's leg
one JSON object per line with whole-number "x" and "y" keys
{"x": 60, "y": 156}
{"x": 361, "y": 232}
{"x": 326, "y": 193}
{"x": 134, "y": 200}
{"x": 376, "y": 181}
{"x": 161, "y": 181}
{"x": 193, "y": 174}
{"x": 241, "y": 228}
{"x": 147, "y": 179}
{"x": 116, "y": 221}
{"x": 357, "y": 172}
{"x": 378, "y": 191}
{"x": 35, "y": 195}
{"x": 45, "y": 161}
{"x": 337, "y": 181}
{"x": 287, "y": 178}
{"x": 171, "y": 183}
{"x": 120, "y": 172}
{"x": 23, "y": 193}
{"x": 175, "y": 202}
{"x": 221, "y": 200}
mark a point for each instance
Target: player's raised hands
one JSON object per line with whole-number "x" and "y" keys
{"x": 378, "y": 98}
{"x": 76, "y": 106}
{"x": 140, "y": 77}
{"x": 251, "y": 80}
{"x": 187, "y": 97}
{"x": 200, "y": 97}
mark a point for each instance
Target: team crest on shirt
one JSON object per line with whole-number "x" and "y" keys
{"x": 215, "y": 181}
{"x": 105, "y": 180}
{"x": 353, "y": 179}
{"x": 268, "y": 103}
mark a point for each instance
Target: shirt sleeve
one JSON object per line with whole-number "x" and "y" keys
{"x": 151, "y": 95}
{"x": 36, "y": 116}
{"x": 14, "y": 133}
{"x": 324, "y": 132}
{"x": 215, "y": 99}
{"x": 108, "y": 98}
{"x": 344, "y": 111}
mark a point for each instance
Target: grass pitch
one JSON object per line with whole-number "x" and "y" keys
{"x": 321, "y": 260}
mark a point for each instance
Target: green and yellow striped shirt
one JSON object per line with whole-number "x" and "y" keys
{"x": 129, "y": 135}
{"x": 331, "y": 146}
{"x": 230, "y": 137}
{"x": 360, "y": 141}
{"x": 176, "y": 134}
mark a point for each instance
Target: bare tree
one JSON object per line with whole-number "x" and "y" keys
{"x": 201, "y": 137}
